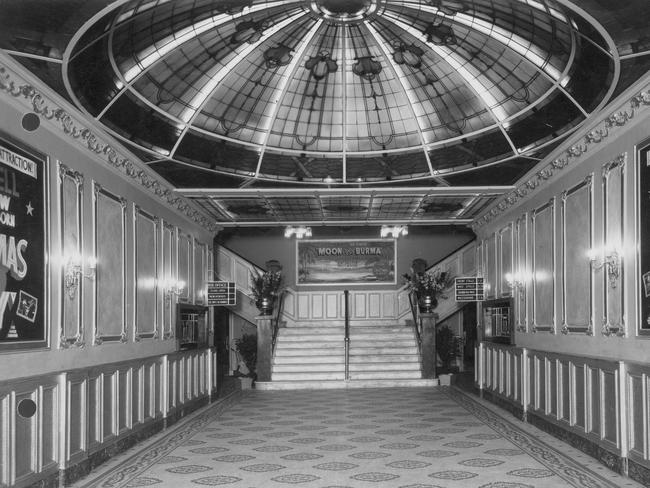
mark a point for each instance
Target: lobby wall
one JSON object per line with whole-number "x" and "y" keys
{"x": 432, "y": 243}
{"x": 110, "y": 372}
{"x": 579, "y": 366}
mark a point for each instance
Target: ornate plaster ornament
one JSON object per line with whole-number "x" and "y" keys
{"x": 71, "y": 127}
{"x": 571, "y": 155}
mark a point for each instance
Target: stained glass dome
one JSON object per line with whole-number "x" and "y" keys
{"x": 341, "y": 91}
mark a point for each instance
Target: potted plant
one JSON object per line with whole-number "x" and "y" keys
{"x": 265, "y": 287}
{"x": 447, "y": 348}
{"x": 247, "y": 350}
{"x": 428, "y": 286}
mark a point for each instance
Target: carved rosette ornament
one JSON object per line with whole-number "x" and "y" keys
{"x": 41, "y": 106}
{"x": 594, "y": 136}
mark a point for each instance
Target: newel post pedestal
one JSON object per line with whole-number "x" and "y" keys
{"x": 428, "y": 337}
{"x": 264, "y": 345}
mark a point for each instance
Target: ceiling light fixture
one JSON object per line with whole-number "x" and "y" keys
{"x": 300, "y": 231}
{"x": 394, "y": 231}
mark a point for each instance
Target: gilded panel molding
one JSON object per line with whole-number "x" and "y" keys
{"x": 145, "y": 256}
{"x": 614, "y": 191}
{"x": 543, "y": 239}
{"x": 577, "y": 242}
{"x": 71, "y": 333}
{"x": 522, "y": 274}
{"x": 69, "y": 125}
{"x": 599, "y": 134}
{"x": 168, "y": 273}
{"x": 110, "y": 251}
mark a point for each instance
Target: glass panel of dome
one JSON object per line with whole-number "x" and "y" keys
{"x": 129, "y": 117}
{"x": 392, "y": 165}
{"x": 93, "y": 84}
{"x": 216, "y": 153}
{"x": 591, "y": 75}
{"x": 557, "y": 113}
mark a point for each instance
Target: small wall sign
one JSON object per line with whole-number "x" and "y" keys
{"x": 222, "y": 293}
{"x": 469, "y": 289}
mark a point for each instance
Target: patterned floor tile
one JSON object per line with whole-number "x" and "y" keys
{"x": 383, "y": 438}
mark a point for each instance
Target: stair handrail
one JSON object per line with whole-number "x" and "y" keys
{"x": 275, "y": 321}
{"x": 346, "y": 340}
{"x": 417, "y": 320}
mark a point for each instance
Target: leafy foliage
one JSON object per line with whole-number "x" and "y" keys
{"x": 265, "y": 285}
{"x": 447, "y": 347}
{"x": 247, "y": 348}
{"x": 431, "y": 283}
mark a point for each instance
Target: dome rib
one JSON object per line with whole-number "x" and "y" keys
{"x": 366, "y": 92}
{"x": 204, "y": 95}
{"x": 400, "y": 76}
{"x": 478, "y": 87}
{"x": 282, "y": 91}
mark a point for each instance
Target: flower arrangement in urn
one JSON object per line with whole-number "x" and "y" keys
{"x": 265, "y": 287}
{"x": 429, "y": 286}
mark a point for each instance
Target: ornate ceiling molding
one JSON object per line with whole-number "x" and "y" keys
{"x": 48, "y": 109}
{"x": 570, "y": 157}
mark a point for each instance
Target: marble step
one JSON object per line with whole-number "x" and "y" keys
{"x": 364, "y": 351}
{"x": 323, "y": 375}
{"x": 282, "y": 344}
{"x": 387, "y": 343}
{"x": 310, "y": 337}
{"x": 308, "y": 367}
{"x": 291, "y": 331}
{"x": 370, "y": 330}
{"x": 385, "y": 375}
{"x": 311, "y": 359}
{"x": 382, "y": 337}
{"x": 343, "y": 384}
{"x": 382, "y": 366}
{"x": 385, "y": 358}
{"x": 314, "y": 351}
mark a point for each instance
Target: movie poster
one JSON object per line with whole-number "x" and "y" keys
{"x": 22, "y": 249}
{"x": 644, "y": 230}
{"x": 346, "y": 262}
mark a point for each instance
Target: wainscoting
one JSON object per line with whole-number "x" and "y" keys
{"x": 58, "y": 427}
{"x": 599, "y": 406}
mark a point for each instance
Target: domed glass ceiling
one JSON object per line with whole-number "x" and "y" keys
{"x": 341, "y": 91}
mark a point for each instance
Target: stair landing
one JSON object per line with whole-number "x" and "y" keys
{"x": 343, "y": 384}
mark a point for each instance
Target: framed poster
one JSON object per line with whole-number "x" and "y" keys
{"x": 346, "y": 261}
{"x": 643, "y": 287}
{"x": 23, "y": 237}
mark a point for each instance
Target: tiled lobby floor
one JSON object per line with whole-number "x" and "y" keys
{"x": 393, "y": 437}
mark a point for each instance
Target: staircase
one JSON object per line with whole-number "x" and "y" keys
{"x": 308, "y": 357}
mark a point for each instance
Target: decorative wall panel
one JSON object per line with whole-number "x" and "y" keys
{"x": 200, "y": 272}
{"x": 109, "y": 237}
{"x": 185, "y": 254}
{"x": 577, "y": 243}
{"x": 614, "y": 193}
{"x": 638, "y": 408}
{"x": 543, "y": 267}
{"x": 505, "y": 262}
{"x": 579, "y": 394}
{"x": 490, "y": 260}
{"x": 167, "y": 274}
{"x": 145, "y": 267}
{"x": 71, "y": 228}
{"x": 29, "y": 430}
{"x": 522, "y": 274}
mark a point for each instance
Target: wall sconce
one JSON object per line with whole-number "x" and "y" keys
{"x": 610, "y": 260}
{"x": 75, "y": 270}
{"x": 299, "y": 231}
{"x": 394, "y": 230}
{"x": 172, "y": 288}
{"x": 516, "y": 282}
